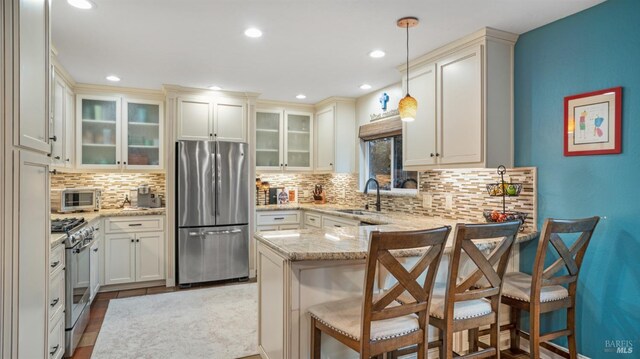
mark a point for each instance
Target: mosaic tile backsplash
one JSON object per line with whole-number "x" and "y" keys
{"x": 467, "y": 188}
{"x": 114, "y": 185}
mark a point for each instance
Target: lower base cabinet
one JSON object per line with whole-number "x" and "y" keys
{"x": 277, "y": 220}
{"x": 56, "y": 303}
{"x": 56, "y": 338}
{"x": 135, "y": 255}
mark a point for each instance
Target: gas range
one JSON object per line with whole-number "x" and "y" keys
{"x": 64, "y": 225}
{"x": 76, "y": 229}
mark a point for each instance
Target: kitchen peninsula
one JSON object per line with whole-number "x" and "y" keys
{"x": 300, "y": 268}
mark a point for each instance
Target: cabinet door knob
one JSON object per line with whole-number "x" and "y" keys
{"x": 286, "y": 165}
{"x": 211, "y": 135}
{"x": 330, "y": 164}
{"x": 68, "y": 160}
{"x": 117, "y": 162}
{"x": 133, "y": 240}
{"x": 54, "y": 172}
{"x": 54, "y": 138}
{"x": 432, "y": 155}
{"x": 125, "y": 163}
{"x": 137, "y": 240}
{"x": 437, "y": 154}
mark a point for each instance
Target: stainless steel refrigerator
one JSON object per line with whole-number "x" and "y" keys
{"x": 212, "y": 211}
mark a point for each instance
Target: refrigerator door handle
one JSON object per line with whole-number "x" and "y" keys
{"x": 223, "y": 232}
{"x": 218, "y": 178}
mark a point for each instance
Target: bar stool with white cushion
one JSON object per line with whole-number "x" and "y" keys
{"x": 376, "y": 324}
{"x": 543, "y": 291}
{"x": 459, "y": 304}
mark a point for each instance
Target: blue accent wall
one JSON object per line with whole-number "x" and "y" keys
{"x": 595, "y": 49}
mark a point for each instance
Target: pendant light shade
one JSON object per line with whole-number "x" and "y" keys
{"x": 408, "y": 106}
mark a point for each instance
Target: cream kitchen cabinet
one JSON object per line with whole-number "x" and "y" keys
{"x": 134, "y": 249}
{"x": 277, "y": 220}
{"x": 119, "y": 133}
{"x": 335, "y": 126}
{"x": 465, "y": 104}
{"x": 284, "y": 140}
{"x": 33, "y": 253}
{"x": 94, "y": 269}
{"x": 221, "y": 118}
{"x": 56, "y": 334}
{"x": 32, "y": 73}
{"x": 63, "y": 124}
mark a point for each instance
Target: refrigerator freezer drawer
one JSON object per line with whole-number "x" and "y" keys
{"x": 212, "y": 253}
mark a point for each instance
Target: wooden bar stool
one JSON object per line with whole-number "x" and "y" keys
{"x": 543, "y": 292}
{"x": 376, "y": 323}
{"x": 460, "y": 305}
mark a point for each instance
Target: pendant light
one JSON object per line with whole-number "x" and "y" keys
{"x": 408, "y": 106}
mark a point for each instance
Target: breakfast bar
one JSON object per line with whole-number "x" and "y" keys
{"x": 303, "y": 267}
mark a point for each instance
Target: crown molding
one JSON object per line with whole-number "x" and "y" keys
{"x": 486, "y": 33}
{"x": 176, "y": 90}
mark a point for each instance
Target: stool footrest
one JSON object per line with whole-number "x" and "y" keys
{"x": 553, "y": 335}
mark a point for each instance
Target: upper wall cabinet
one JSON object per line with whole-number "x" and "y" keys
{"x": 465, "y": 104}
{"x": 63, "y": 124}
{"x": 284, "y": 140}
{"x": 335, "y": 126}
{"x": 202, "y": 119}
{"x": 119, "y": 133}
{"x": 32, "y": 74}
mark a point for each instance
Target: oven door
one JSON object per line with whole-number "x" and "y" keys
{"x": 77, "y": 281}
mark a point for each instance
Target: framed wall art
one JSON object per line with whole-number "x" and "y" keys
{"x": 593, "y": 123}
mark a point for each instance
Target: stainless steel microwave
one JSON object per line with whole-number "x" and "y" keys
{"x": 75, "y": 200}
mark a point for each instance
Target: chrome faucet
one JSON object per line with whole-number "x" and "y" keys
{"x": 366, "y": 190}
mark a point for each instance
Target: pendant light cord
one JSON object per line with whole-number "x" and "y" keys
{"x": 407, "y": 58}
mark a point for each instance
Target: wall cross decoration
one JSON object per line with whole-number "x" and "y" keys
{"x": 383, "y": 101}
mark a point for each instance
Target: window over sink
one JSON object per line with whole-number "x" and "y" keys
{"x": 383, "y": 161}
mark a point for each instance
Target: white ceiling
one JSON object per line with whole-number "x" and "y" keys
{"x": 316, "y": 47}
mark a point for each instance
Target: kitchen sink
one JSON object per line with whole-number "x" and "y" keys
{"x": 358, "y": 212}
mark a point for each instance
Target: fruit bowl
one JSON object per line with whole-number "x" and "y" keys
{"x": 508, "y": 189}
{"x": 499, "y": 216}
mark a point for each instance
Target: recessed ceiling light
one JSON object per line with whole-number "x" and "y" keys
{"x": 215, "y": 88}
{"x": 377, "y": 54}
{"x": 365, "y": 86}
{"x": 81, "y": 4}
{"x": 253, "y": 32}
{"x": 301, "y": 97}
{"x": 113, "y": 78}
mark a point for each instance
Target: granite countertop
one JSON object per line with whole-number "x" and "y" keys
{"x": 57, "y": 238}
{"x": 352, "y": 243}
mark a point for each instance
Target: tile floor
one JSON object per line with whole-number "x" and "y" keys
{"x": 99, "y": 309}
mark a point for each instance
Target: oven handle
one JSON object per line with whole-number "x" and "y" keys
{"x": 80, "y": 249}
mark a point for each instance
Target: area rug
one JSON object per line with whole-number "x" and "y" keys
{"x": 218, "y": 322}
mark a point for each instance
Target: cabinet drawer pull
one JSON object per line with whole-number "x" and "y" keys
{"x": 54, "y": 350}
{"x": 312, "y": 219}
{"x": 54, "y": 302}
{"x": 337, "y": 225}
{"x": 135, "y": 224}
{"x": 95, "y": 249}
{"x": 55, "y": 264}
{"x": 278, "y": 218}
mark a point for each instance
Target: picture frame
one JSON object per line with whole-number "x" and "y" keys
{"x": 593, "y": 123}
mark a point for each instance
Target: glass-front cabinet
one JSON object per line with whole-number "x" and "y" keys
{"x": 269, "y": 140}
{"x": 119, "y": 133}
{"x": 283, "y": 140}
{"x": 98, "y": 140}
{"x": 298, "y": 144}
{"x": 143, "y": 134}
